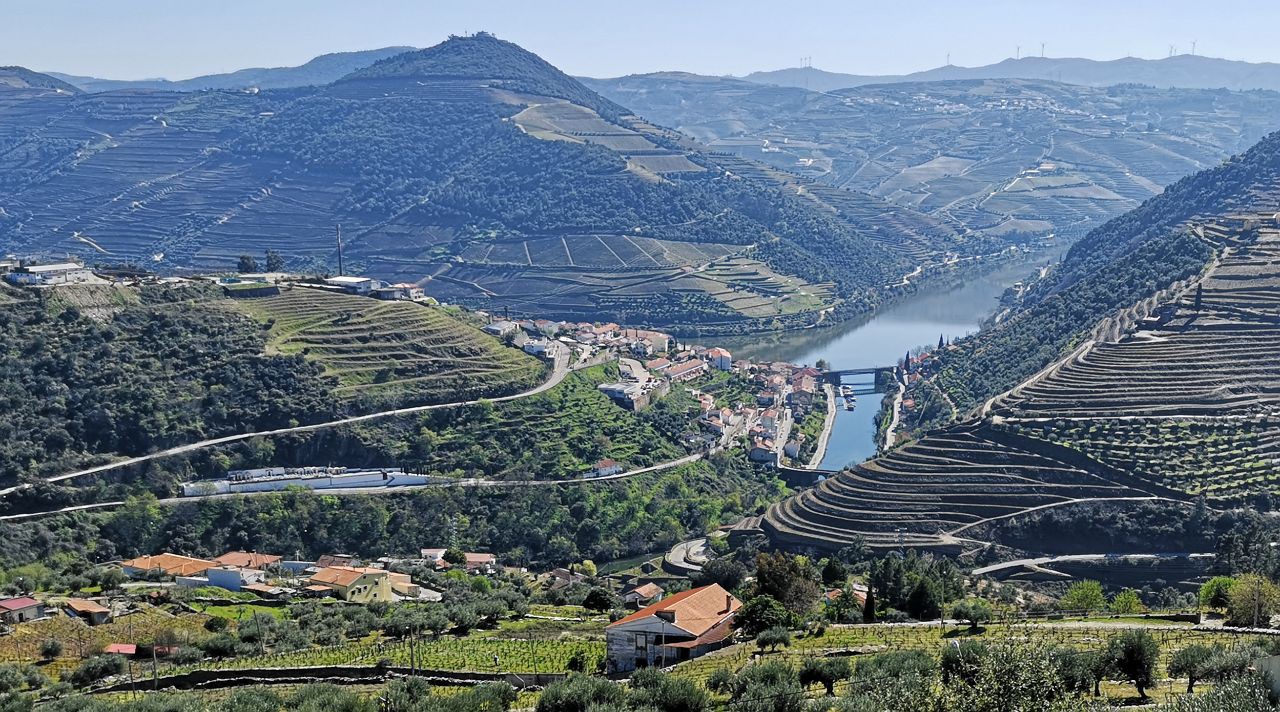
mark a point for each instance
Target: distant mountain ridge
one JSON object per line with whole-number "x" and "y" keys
{"x": 23, "y": 78}
{"x": 323, "y": 69}
{"x": 1182, "y": 71}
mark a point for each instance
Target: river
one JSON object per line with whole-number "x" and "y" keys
{"x": 884, "y": 338}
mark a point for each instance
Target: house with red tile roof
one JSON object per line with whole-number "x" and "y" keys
{"x": 21, "y": 610}
{"x": 684, "y": 626}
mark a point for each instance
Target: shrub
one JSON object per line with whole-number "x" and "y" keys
{"x": 774, "y": 638}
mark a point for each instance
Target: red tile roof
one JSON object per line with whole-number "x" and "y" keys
{"x": 697, "y": 610}
{"x": 121, "y": 649}
{"x": 17, "y": 604}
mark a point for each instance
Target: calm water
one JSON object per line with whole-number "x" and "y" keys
{"x": 883, "y": 339}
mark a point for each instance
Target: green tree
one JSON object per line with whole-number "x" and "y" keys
{"x": 1191, "y": 662}
{"x": 1126, "y": 602}
{"x": 50, "y": 648}
{"x": 1083, "y": 596}
{"x": 247, "y": 263}
{"x": 975, "y": 611}
{"x": 1134, "y": 654}
{"x": 653, "y": 690}
{"x": 275, "y": 261}
{"x": 790, "y": 580}
{"x": 599, "y": 599}
{"x": 1252, "y": 601}
{"x": 925, "y": 601}
{"x": 1216, "y": 592}
{"x": 761, "y": 613}
{"x": 578, "y": 693}
{"x": 824, "y": 671}
{"x": 774, "y": 638}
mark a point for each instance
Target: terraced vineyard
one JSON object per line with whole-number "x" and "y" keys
{"x": 991, "y": 160}
{"x": 1185, "y": 401}
{"x": 392, "y": 351}
{"x": 928, "y": 492}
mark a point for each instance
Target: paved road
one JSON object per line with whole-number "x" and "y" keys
{"x": 1051, "y": 505}
{"x": 558, "y": 373}
{"x": 1043, "y": 560}
{"x": 465, "y": 482}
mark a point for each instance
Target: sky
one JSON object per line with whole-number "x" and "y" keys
{"x": 176, "y": 39}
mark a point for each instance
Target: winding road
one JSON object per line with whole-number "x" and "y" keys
{"x": 558, "y": 373}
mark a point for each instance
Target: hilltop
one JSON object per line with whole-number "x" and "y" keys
{"x": 1181, "y": 71}
{"x": 485, "y": 57}
{"x": 323, "y": 69}
{"x": 473, "y": 167}
{"x": 23, "y": 78}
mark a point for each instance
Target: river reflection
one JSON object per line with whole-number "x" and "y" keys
{"x": 884, "y": 338}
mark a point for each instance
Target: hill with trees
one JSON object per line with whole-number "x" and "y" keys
{"x": 472, "y": 167}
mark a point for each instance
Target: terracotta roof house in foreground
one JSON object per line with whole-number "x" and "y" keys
{"x": 681, "y": 627}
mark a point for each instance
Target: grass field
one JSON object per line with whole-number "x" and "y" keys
{"x": 391, "y": 352}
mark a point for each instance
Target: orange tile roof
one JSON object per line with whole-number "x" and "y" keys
{"x": 342, "y": 575}
{"x": 697, "y": 610}
{"x": 171, "y": 564}
{"x": 648, "y": 590}
{"x": 80, "y": 605}
{"x": 247, "y": 560}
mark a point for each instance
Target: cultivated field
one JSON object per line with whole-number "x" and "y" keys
{"x": 391, "y": 351}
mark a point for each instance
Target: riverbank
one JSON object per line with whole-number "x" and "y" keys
{"x": 820, "y": 451}
{"x": 953, "y": 307}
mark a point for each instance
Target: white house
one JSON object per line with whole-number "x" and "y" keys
{"x": 501, "y": 328}
{"x": 60, "y": 273}
{"x": 604, "y": 468}
{"x": 720, "y": 359}
{"x": 355, "y": 285}
{"x": 680, "y": 627}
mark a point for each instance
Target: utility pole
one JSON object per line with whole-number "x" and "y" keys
{"x": 338, "y": 227}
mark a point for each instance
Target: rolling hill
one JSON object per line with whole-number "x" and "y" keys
{"x": 1182, "y": 70}
{"x": 321, "y": 70}
{"x": 472, "y": 167}
{"x": 1006, "y": 159}
{"x": 23, "y": 78}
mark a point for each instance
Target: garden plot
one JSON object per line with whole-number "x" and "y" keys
{"x": 393, "y": 351}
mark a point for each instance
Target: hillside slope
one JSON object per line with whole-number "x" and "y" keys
{"x": 23, "y": 78}
{"x": 320, "y": 70}
{"x": 1172, "y": 313}
{"x": 994, "y": 160}
{"x": 473, "y": 168}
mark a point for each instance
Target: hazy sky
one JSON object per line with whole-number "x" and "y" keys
{"x": 133, "y": 39}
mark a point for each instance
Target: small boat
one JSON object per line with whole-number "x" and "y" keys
{"x": 850, "y": 404}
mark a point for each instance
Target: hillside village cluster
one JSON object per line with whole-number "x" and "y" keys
{"x": 652, "y": 362}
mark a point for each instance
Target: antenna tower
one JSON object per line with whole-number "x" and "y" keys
{"x": 338, "y": 229}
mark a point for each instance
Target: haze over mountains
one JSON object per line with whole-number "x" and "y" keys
{"x": 1002, "y": 158}
{"x": 1182, "y": 71}
{"x": 321, "y": 70}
